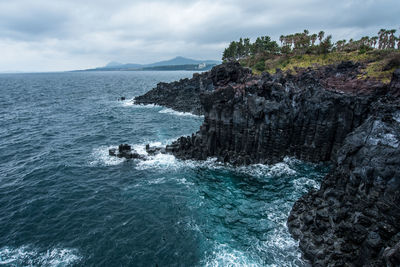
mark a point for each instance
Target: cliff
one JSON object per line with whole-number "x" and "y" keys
{"x": 324, "y": 114}
{"x": 184, "y": 95}
{"x": 354, "y": 218}
{"x": 262, "y": 119}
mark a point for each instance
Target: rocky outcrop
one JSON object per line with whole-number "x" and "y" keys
{"x": 263, "y": 119}
{"x": 125, "y": 151}
{"x": 394, "y": 87}
{"x": 354, "y": 219}
{"x": 184, "y": 95}
{"x": 327, "y": 114}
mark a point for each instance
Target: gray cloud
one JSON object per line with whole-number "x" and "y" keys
{"x": 45, "y": 35}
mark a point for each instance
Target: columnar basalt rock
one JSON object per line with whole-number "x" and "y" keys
{"x": 264, "y": 119}
{"x": 327, "y": 114}
{"x": 354, "y": 218}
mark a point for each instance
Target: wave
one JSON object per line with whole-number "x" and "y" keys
{"x": 179, "y": 113}
{"x": 30, "y": 256}
{"x": 100, "y": 157}
{"x": 224, "y": 255}
{"x": 168, "y": 161}
{"x": 131, "y": 103}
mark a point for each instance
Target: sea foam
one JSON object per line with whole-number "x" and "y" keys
{"x": 178, "y": 113}
{"x": 100, "y": 157}
{"x": 31, "y": 256}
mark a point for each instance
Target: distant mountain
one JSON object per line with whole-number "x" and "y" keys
{"x": 113, "y": 64}
{"x": 183, "y": 61}
{"x": 117, "y": 65}
{"x": 179, "y": 63}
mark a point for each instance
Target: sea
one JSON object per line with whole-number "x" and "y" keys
{"x": 65, "y": 202}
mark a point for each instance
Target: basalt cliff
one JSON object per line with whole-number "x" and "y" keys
{"x": 324, "y": 114}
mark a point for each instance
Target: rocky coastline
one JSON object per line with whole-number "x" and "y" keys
{"x": 326, "y": 114}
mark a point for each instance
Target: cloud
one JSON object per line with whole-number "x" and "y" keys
{"x": 47, "y": 35}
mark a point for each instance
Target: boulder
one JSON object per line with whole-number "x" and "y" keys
{"x": 125, "y": 151}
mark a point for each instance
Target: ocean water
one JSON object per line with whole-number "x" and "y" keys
{"x": 65, "y": 202}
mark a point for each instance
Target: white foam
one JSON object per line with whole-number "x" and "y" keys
{"x": 157, "y": 181}
{"x": 184, "y": 182}
{"x": 303, "y": 183}
{"x": 223, "y": 255}
{"x": 178, "y": 113}
{"x": 131, "y": 103}
{"x": 28, "y": 256}
{"x": 127, "y": 103}
{"x": 159, "y": 161}
{"x": 167, "y": 161}
{"x": 100, "y": 156}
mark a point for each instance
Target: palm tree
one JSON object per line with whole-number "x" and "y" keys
{"x": 321, "y": 36}
{"x": 398, "y": 42}
{"x": 340, "y": 45}
{"x": 386, "y": 40}
{"x": 374, "y": 40}
{"x": 313, "y": 38}
{"x": 281, "y": 38}
{"x": 381, "y": 42}
{"x": 392, "y": 39}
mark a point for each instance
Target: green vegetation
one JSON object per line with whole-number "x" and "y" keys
{"x": 379, "y": 54}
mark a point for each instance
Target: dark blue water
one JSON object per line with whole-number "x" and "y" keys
{"x": 65, "y": 202}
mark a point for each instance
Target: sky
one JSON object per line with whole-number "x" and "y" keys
{"x": 58, "y": 35}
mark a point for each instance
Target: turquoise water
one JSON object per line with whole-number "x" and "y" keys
{"x": 65, "y": 202}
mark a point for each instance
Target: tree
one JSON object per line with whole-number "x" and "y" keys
{"x": 247, "y": 46}
{"x": 326, "y": 45}
{"x": 313, "y": 39}
{"x": 230, "y": 52}
{"x": 398, "y": 42}
{"x": 340, "y": 45}
{"x": 240, "y": 48}
{"x": 392, "y": 39}
{"x": 380, "y": 34}
{"x": 374, "y": 40}
{"x": 281, "y": 38}
{"x": 321, "y": 36}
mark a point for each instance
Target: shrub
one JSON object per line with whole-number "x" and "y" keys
{"x": 260, "y": 66}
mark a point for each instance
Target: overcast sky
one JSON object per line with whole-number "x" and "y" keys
{"x": 54, "y": 35}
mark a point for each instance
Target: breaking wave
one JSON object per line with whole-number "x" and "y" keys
{"x": 178, "y": 113}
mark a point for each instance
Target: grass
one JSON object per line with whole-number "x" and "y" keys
{"x": 379, "y": 64}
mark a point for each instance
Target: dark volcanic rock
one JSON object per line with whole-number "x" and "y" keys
{"x": 324, "y": 114}
{"x": 125, "y": 151}
{"x": 183, "y": 95}
{"x": 262, "y": 120}
{"x": 153, "y": 150}
{"x": 360, "y": 199}
{"x": 394, "y": 87}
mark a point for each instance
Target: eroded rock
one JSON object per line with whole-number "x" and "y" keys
{"x": 125, "y": 151}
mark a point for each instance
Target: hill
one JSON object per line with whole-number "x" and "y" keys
{"x": 177, "y": 63}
